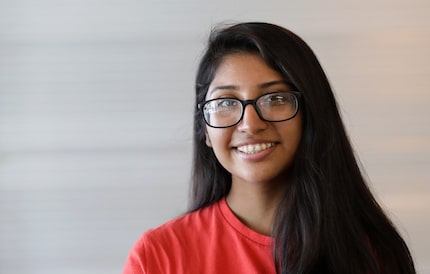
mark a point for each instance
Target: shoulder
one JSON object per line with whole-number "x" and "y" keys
{"x": 162, "y": 247}
{"x": 185, "y": 226}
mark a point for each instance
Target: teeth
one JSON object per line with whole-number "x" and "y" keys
{"x": 252, "y": 149}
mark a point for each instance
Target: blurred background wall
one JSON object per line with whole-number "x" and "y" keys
{"x": 96, "y": 101}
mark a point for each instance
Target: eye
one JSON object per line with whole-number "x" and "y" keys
{"x": 276, "y": 99}
{"x": 222, "y": 105}
{"x": 226, "y": 103}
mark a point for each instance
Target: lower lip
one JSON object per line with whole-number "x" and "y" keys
{"x": 259, "y": 156}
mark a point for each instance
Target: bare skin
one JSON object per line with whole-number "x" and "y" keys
{"x": 255, "y": 206}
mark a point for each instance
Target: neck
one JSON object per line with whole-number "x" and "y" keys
{"x": 255, "y": 204}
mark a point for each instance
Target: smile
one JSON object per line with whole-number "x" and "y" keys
{"x": 253, "y": 149}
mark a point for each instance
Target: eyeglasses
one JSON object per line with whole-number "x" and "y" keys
{"x": 270, "y": 107}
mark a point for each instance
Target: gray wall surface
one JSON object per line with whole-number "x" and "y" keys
{"x": 96, "y": 101}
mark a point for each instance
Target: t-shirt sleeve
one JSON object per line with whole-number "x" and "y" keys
{"x": 135, "y": 263}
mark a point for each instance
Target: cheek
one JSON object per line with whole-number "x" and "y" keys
{"x": 293, "y": 133}
{"x": 298, "y": 134}
{"x": 217, "y": 138}
{"x": 298, "y": 129}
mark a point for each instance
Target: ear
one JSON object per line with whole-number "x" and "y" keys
{"x": 208, "y": 140}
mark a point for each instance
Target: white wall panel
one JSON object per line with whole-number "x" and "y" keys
{"x": 96, "y": 101}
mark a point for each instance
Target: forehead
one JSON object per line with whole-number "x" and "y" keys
{"x": 244, "y": 71}
{"x": 249, "y": 65}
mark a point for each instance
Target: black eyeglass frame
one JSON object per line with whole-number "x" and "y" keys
{"x": 297, "y": 95}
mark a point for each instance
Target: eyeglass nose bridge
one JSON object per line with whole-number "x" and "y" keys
{"x": 254, "y": 104}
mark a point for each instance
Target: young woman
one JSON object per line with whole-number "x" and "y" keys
{"x": 276, "y": 186}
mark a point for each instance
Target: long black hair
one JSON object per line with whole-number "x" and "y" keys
{"x": 328, "y": 221}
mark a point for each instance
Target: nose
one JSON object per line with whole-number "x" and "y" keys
{"x": 251, "y": 122}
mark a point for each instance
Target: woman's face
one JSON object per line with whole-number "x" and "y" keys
{"x": 254, "y": 150}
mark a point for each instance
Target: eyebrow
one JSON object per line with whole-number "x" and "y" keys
{"x": 272, "y": 83}
{"x": 263, "y": 85}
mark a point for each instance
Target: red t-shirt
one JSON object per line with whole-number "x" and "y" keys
{"x": 210, "y": 240}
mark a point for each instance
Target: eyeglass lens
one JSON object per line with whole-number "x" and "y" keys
{"x": 272, "y": 107}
